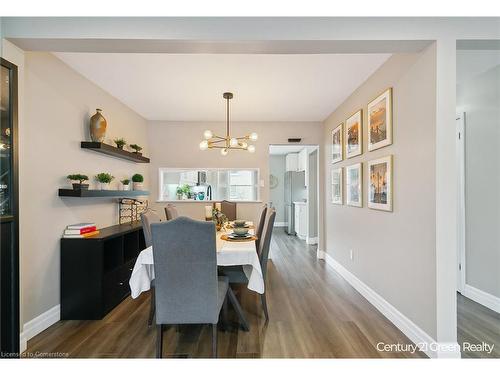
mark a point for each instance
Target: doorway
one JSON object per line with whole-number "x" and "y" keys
{"x": 9, "y": 213}
{"x": 294, "y": 190}
{"x": 478, "y": 171}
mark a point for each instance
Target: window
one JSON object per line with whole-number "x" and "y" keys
{"x": 209, "y": 184}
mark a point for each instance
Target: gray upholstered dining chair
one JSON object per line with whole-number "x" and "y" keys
{"x": 171, "y": 212}
{"x": 147, "y": 218}
{"x": 236, "y": 274}
{"x": 188, "y": 290}
{"x": 260, "y": 225}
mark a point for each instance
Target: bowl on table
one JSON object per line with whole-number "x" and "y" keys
{"x": 239, "y": 223}
{"x": 240, "y": 231}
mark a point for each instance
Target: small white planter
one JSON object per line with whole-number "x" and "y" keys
{"x": 138, "y": 186}
{"x": 125, "y": 187}
{"x": 103, "y": 186}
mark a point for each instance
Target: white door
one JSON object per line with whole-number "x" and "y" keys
{"x": 461, "y": 201}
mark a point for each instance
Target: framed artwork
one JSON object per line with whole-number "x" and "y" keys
{"x": 353, "y": 184}
{"x": 380, "y": 121}
{"x": 337, "y": 144}
{"x": 380, "y": 189}
{"x": 337, "y": 190}
{"x": 354, "y": 135}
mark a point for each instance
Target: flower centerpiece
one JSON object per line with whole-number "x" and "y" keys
{"x": 218, "y": 218}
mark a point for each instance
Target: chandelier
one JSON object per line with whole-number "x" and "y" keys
{"x": 227, "y": 143}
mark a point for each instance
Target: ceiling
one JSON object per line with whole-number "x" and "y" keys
{"x": 287, "y": 149}
{"x": 189, "y": 87}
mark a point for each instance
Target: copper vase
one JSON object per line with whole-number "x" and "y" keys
{"x": 98, "y": 127}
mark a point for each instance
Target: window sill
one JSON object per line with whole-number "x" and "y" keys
{"x": 206, "y": 201}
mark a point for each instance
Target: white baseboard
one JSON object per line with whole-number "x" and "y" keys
{"x": 280, "y": 224}
{"x": 39, "y": 324}
{"x": 320, "y": 254}
{"x": 311, "y": 240}
{"x": 418, "y": 336}
{"x": 477, "y": 295}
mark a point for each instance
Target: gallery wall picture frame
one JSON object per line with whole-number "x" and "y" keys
{"x": 337, "y": 181}
{"x": 354, "y": 185}
{"x": 379, "y": 116}
{"x": 380, "y": 184}
{"x": 338, "y": 143}
{"x": 353, "y": 134}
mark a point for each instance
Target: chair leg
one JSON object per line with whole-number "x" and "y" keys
{"x": 159, "y": 340}
{"x": 225, "y": 310}
{"x": 264, "y": 305}
{"x": 214, "y": 340}
{"x": 152, "y": 308}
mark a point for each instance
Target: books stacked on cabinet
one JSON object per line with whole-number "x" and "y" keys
{"x": 80, "y": 230}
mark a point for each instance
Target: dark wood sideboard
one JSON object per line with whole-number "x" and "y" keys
{"x": 95, "y": 271}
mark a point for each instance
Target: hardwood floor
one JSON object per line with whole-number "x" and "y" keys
{"x": 477, "y": 324}
{"x": 314, "y": 313}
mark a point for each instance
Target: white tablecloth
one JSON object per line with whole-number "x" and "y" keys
{"x": 228, "y": 254}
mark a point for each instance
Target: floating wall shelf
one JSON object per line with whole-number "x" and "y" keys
{"x": 102, "y": 193}
{"x": 104, "y": 148}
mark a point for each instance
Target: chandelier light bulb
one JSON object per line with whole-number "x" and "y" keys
{"x": 223, "y": 151}
{"x": 244, "y": 145}
{"x": 254, "y": 136}
{"x": 233, "y": 142}
{"x": 203, "y": 145}
{"x": 251, "y": 149}
{"x": 208, "y": 134}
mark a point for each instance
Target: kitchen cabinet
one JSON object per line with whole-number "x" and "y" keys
{"x": 291, "y": 162}
{"x": 300, "y": 216}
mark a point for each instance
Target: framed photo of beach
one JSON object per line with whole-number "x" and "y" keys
{"x": 354, "y": 186}
{"x": 380, "y": 121}
{"x": 337, "y": 144}
{"x": 380, "y": 188}
{"x": 337, "y": 189}
{"x": 354, "y": 135}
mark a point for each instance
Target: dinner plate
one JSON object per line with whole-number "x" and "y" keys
{"x": 230, "y": 237}
{"x": 238, "y": 236}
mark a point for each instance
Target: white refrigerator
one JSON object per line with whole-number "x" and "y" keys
{"x": 295, "y": 191}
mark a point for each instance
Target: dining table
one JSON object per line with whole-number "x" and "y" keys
{"x": 229, "y": 253}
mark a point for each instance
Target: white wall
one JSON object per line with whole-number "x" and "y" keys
{"x": 277, "y": 195}
{"x": 479, "y": 98}
{"x": 55, "y": 108}
{"x": 401, "y": 244}
{"x": 175, "y": 145}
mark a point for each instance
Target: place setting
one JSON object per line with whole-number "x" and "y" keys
{"x": 239, "y": 231}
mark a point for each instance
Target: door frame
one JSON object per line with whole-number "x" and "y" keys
{"x": 461, "y": 237}
{"x": 12, "y": 320}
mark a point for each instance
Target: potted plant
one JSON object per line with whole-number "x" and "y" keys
{"x": 125, "y": 184}
{"x": 81, "y": 178}
{"x": 136, "y": 149}
{"x": 185, "y": 191}
{"x": 179, "y": 192}
{"x": 120, "y": 142}
{"x": 104, "y": 179}
{"x": 137, "y": 180}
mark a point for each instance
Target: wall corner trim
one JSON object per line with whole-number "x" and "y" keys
{"x": 483, "y": 298}
{"x": 418, "y": 336}
{"x": 39, "y": 324}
